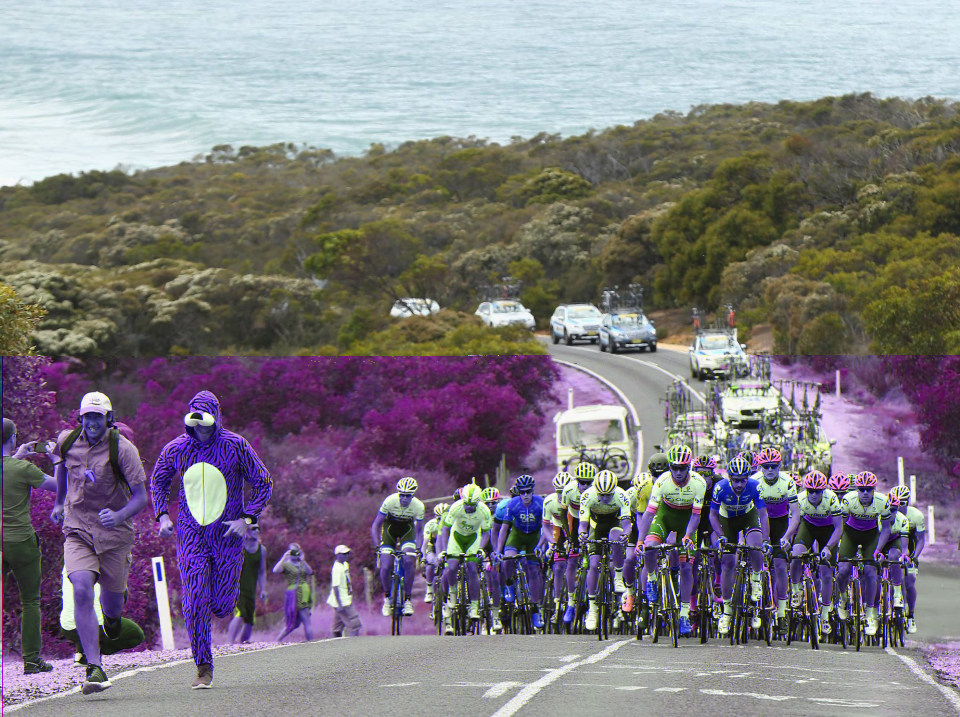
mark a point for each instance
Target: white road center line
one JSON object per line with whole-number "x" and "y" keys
{"x": 500, "y": 689}
{"x": 915, "y": 669}
{"x": 531, "y": 690}
{"x": 569, "y": 658}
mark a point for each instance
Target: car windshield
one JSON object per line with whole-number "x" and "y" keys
{"x": 583, "y": 312}
{"x": 507, "y": 308}
{"x": 629, "y": 320}
{"x": 714, "y": 343}
{"x": 591, "y": 432}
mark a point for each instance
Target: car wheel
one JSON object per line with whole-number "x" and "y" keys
{"x": 653, "y": 348}
{"x": 553, "y": 335}
{"x": 603, "y": 349}
{"x": 693, "y": 372}
{"x": 567, "y": 338}
{"x": 613, "y": 347}
{"x": 594, "y": 341}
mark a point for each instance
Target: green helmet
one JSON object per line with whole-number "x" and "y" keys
{"x": 471, "y": 494}
{"x": 586, "y": 471}
{"x": 658, "y": 464}
{"x": 680, "y": 456}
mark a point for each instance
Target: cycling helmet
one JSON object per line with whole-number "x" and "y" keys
{"x": 865, "y": 479}
{"x": 561, "y": 479}
{"x": 839, "y": 482}
{"x": 797, "y": 480}
{"x": 640, "y": 478}
{"x": 814, "y": 480}
{"x": 752, "y": 458}
{"x": 471, "y": 494}
{"x": 605, "y": 482}
{"x": 899, "y": 495}
{"x": 705, "y": 464}
{"x": 658, "y": 464}
{"x": 407, "y": 485}
{"x": 585, "y": 471}
{"x": 770, "y": 455}
{"x": 491, "y": 495}
{"x": 680, "y": 456}
{"x": 524, "y": 482}
{"x": 739, "y": 466}
{"x": 440, "y": 508}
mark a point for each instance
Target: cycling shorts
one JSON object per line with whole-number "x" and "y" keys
{"x": 666, "y": 521}
{"x": 399, "y": 535}
{"x": 460, "y": 544}
{"x": 523, "y": 542}
{"x": 600, "y": 527}
{"x": 735, "y": 524}
{"x": 852, "y": 538}
{"x": 778, "y": 527}
{"x": 809, "y": 535}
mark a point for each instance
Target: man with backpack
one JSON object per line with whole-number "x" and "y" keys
{"x": 101, "y": 486}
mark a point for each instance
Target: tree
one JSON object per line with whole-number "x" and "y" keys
{"x": 18, "y": 320}
{"x": 921, "y": 318}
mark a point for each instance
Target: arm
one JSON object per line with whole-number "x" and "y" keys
{"x": 376, "y": 527}
{"x": 278, "y": 568}
{"x": 336, "y": 593}
{"x": 837, "y": 531}
{"x": 138, "y": 501}
{"x": 793, "y": 527}
{"x": 715, "y": 519}
{"x": 256, "y": 474}
{"x": 884, "y": 532}
{"x": 56, "y": 515}
{"x": 49, "y": 484}
{"x": 643, "y": 524}
{"x": 502, "y": 537}
{"x": 764, "y": 524}
{"x": 442, "y": 539}
{"x": 693, "y": 522}
{"x": 160, "y": 481}
{"x": 419, "y": 531}
{"x": 921, "y": 543}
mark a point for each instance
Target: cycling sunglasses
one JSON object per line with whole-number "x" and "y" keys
{"x": 197, "y": 418}
{"x": 585, "y": 482}
{"x": 681, "y": 467}
{"x": 525, "y": 492}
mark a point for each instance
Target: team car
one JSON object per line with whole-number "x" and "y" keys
{"x": 621, "y": 330}
{"x": 575, "y": 322}
{"x": 716, "y": 353}
{"x": 748, "y": 401}
{"x": 498, "y": 314}
{"x": 599, "y": 434}
{"x": 403, "y": 308}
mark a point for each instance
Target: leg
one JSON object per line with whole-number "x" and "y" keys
{"x": 233, "y": 632}
{"x": 473, "y": 581}
{"x": 352, "y": 620}
{"x": 84, "y": 615}
{"x": 386, "y": 571}
{"x": 305, "y": 620}
{"x": 336, "y": 627}
{"x": 534, "y": 579}
{"x": 246, "y": 632}
{"x": 911, "y": 590}
{"x": 195, "y": 559}
{"x": 23, "y": 558}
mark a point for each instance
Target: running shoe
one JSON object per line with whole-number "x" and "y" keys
{"x": 95, "y": 681}
{"x": 204, "y": 677}
{"x": 37, "y": 666}
{"x": 685, "y": 627}
{"x": 569, "y": 614}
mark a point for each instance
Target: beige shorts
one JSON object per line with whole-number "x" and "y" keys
{"x": 113, "y": 566}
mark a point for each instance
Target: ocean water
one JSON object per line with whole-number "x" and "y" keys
{"x": 93, "y": 84}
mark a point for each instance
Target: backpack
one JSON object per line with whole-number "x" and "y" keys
{"x": 113, "y": 436}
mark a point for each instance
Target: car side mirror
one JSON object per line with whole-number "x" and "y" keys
{"x": 833, "y": 441}
{"x": 657, "y": 446}
{"x": 743, "y": 346}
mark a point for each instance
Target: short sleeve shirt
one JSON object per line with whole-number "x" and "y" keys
{"x": 86, "y": 498}
{"x": 394, "y": 511}
{"x": 464, "y": 523}
{"x": 553, "y": 510}
{"x": 778, "y": 496}
{"x": 823, "y": 513}
{"x": 430, "y": 531}
{"x": 525, "y": 518}
{"x": 900, "y": 526}
{"x": 865, "y": 517}
{"x": 915, "y": 519}
{"x": 294, "y": 574}
{"x": 19, "y": 478}
{"x": 730, "y": 503}
{"x": 667, "y": 493}
{"x": 591, "y": 506}
{"x": 340, "y": 580}
{"x": 571, "y": 498}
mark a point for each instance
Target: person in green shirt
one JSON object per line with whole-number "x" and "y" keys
{"x": 21, "y": 546}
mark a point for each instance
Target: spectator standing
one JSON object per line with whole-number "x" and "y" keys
{"x": 253, "y": 582}
{"x": 21, "y": 546}
{"x": 299, "y": 598}
{"x": 341, "y": 595}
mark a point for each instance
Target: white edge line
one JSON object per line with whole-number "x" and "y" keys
{"x": 151, "y": 668}
{"x": 623, "y": 398}
{"x": 531, "y": 690}
{"x": 915, "y": 669}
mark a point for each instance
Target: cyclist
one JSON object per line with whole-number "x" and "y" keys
{"x": 638, "y": 495}
{"x": 915, "y": 543}
{"x": 797, "y": 481}
{"x": 674, "y": 507}
{"x": 896, "y": 548}
{"x": 863, "y": 509}
{"x": 524, "y": 516}
{"x": 819, "y": 521}
{"x": 399, "y": 526}
{"x": 554, "y": 532}
{"x": 604, "y": 513}
{"x": 583, "y": 474}
{"x": 839, "y": 483}
{"x": 706, "y": 467}
{"x": 491, "y": 498}
{"x": 780, "y": 496}
{"x": 430, "y": 531}
{"x": 737, "y": 508}
{"x": 464, "y": 530}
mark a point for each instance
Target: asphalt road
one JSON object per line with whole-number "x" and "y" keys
{"x": 505, "y": 675}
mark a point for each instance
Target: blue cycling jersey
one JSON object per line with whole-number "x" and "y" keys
{"x": 730, "y": 504}
{"x": 500, "y": 514}
{"x": 526, "y": 519}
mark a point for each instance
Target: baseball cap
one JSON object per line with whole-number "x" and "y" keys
{"x": 95, "y": 402}
{"x": 341, "y": 550}
{"x": 9, "y": 429}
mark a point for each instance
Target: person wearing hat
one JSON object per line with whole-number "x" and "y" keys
{"x": 341, "y": 599}
{"x": 96, "y": 502}
{"x": 299, "y": 596}
{"x": 21, "y": 546}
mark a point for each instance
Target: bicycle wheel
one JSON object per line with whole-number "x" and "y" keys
{"x": 618, "y": 462}
{"x": 704, "y": 598}
{"x": 603, "y": 604}
{"x": 813, "y": 615}
{"x": 396, "y": 591}
{"x": 737, "y": 601}
{"x": 884, "y": 616}
{"x": 855, "y": 612}
{"x": 675, "y": 625}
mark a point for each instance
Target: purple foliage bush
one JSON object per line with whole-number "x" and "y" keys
{"x": 335, "y": 433}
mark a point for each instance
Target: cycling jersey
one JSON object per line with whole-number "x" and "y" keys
{"x": 731, "y": 504}
{"x": 430, "y": 532}
{"x": 591, "y": 507}
{"x": 523, "y": 518}
{"x": 915, "y": 520}
{"x": 397, "y": 513}
{"x": 899, "y": 526}
{"x": 464, "y": 523}
{"x": 638, "y": 499}
{"x": 554, "y": 511}
{"x": 571, "y": 499}
{"x": 865, "y": 517}
{"x": 688, "y": 497}
{"x": 823, "y": 513}
{"x": 500, "y": 514}
{"x": 778, "y": 496}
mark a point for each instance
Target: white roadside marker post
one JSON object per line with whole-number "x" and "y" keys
{"x": 931, "y": 530}
{"x": 838, "y": 383}
{"x": 569, "y": 399}
{"x": 913, "y": 489}
{"x": 900, "y": 470}
{"x": 163, "y": 604}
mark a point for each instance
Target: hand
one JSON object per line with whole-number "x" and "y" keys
{"x": 23, "y": 451}
{"x": 236, "y": 527}
{"x": 263, "y": 595}
{"x": 785, "y": 543}
{"x": 905, "y": 559}
{"x": 722, "y": 540}
{"x": 584, "y": 541}
{"x": 688, "y": 542}
{"x": 765, "y": 546}
{"x": 442, "y": 556}
{"x": 497, "y": 556}
{"x": 623, "y": 539}
{"x": 166, "y": 526}
{"x": 56, "y": 515}
{"x": 877, "y": 555}
{"x": 110, "y": 518}
{"x": 826, "y": 554}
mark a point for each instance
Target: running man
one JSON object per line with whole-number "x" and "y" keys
{"x": 524, "y": 516}
{"x": 674, "y": 507}
{"x": 96, "y": 501}
{"x": 464, "y": 531}
{"x": 211, "y": 465}
{"x": 399, "y": 527}
{"x": 253, "y": 582}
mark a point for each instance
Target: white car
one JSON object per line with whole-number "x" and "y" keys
{"x": 575, "y": 322}
{"x": 497, "y": 314}
{"x": 403, "y": 308}
{"x": 747, "y": 401}
{"x": 717, "y": 354}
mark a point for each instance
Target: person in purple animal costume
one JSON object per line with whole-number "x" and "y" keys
{"x": 211, "y": 463}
